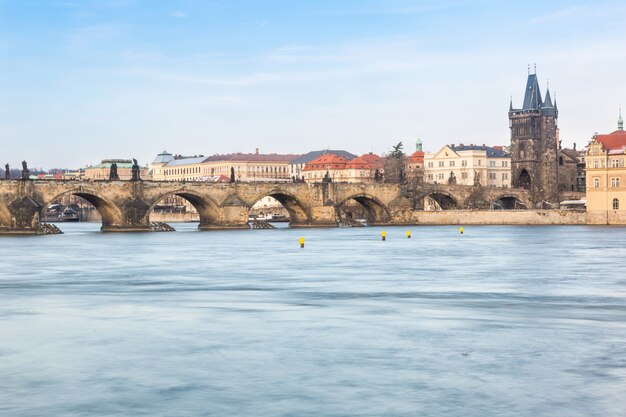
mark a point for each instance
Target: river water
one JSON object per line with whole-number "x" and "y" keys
{"x": 499, "y": 321}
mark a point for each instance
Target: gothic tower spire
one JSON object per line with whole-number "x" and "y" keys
{"x": 620, "y": 121}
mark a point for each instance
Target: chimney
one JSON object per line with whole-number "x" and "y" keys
{"x": 257, "y": 151}
{"x": 452, "y": 145}
{"x": 484, "y": 145}
{"x": 462, "y": 146}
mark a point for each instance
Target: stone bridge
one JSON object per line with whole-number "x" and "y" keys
{"x": 125, "y": 206}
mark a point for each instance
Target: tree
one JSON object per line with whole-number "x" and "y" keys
{"x": 394, "y": 164}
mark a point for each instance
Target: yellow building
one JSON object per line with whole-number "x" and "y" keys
{"x": 247, "y": 167}
{"x": 124, "y": 170}
{"x": 468, "y": 165}
{"x": 606, "y": 177}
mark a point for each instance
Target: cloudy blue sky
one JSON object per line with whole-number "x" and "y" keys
{"x": 86, "y": 80}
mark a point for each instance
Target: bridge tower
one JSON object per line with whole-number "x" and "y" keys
{"x": 534, "y": 143}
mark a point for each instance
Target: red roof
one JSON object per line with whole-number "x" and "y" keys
{"x": 417, "y": 157}
{"x": 374, "y": 161}
{"x": 328, "y": 161}
{"x": 615, "y": 140}
{"x": 358, "y": 163}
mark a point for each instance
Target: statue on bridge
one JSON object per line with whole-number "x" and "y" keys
{"x": 7, "y": 172}
{"x": 135, "y": 171}
{"x": 113, "y": 176}
{"x": 25, "y": 171}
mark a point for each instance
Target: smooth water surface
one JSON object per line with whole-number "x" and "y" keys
{"x": 500, "y": 321}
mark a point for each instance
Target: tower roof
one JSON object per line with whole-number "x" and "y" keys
{"x": 548, "y": 101}
{"x": 620, "y": 121}
{"x": 532, "y": 96}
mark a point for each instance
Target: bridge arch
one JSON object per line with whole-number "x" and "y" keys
{"x": 508, "y": 202}
{"x": 439, "y": 200}
{"x": 376, "y": 211}
{"x": 109, "y": 212}
{"x": 208, "y": 210}
{"x": 299, "y": 213}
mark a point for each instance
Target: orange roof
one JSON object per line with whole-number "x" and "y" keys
{"x": 615, "y": 140}
{"x": 417, "y": 156}
{"x": 374, "y": 161}
{"x": 358, "y": 163}
{"x": 328, "y": 161}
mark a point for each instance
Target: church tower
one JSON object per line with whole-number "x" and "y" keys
{"x": 534, "y": 144}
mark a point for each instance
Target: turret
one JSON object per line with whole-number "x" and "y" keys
{"x": 418, "y": 145}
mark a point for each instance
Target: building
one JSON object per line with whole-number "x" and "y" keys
{"x": 167, "y": 167}
{"x": 538, "y": 163}
{"x": 469, "y": 165}
{"x": 124, "y": 170}
{"x": 247, "y": 167}
{"x": 606, "y": 177}
{"x": 251, "y": 166}
{"x": 415, "y": 163}
{"x": 337, "y": 168}
{"x": 296, "y": 166}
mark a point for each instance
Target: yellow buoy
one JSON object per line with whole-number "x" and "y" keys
{"x": 461, "y": 230}
{"x": 408, "y": 234}
{"x": 384, "y": 235}
{"x": 301, "y": 242}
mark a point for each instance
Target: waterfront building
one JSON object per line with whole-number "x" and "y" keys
{"x": 247, "y": 167}
{"x": 339, "y": 169}
{"x": 469, "y": 165}
{"x": 102, "y": 170}
{"x": 296, "y": 166}
{"x": 167, "y": 167}
{"x": 251, "y": 166}
{"x": 538, "y": 162}
{"x": 606, "y": 177}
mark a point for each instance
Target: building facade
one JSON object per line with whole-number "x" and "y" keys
{"x": 246, "y": 167}
{"x": 606, "y": 177}
{"x": 336, "y": 168}
{"x": 469, "y": 165}
{"x": 124, "y": 170}
{"x": 296, "y": 166}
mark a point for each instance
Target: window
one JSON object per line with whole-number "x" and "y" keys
{"x": 595, "y": 163}
{"x": 505, "y": 176}
{"x": 478, "y": 163}
{"x": 430, "y": 176}
{"x": 492, "y": 163}
{"x": 451, "y": 163}
{"x": 430, "y": 165}
{"x": 441, "y": 164}
{"x": 464, "y": 175}
{"x": 615, "y": 204}
{"x": 596, "y": 183}
{"x": 440, "y": 176}
{"x": 492, "y": 175}
{"x": 464, "y": 163}
{"x": 505, "y": 163}
{"x": 615, "y": 182}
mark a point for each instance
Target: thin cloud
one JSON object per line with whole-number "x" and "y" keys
{"x": 178, "y": 14}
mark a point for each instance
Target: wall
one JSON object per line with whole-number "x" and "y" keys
{"x": 521, "y": 217}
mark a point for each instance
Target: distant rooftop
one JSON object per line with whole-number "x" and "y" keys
{"x": 308, "y": 157}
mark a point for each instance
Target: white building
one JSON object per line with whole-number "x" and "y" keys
{"x": 469, "y": 165}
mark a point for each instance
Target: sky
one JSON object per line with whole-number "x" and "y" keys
{"x": 82, "y": 81}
